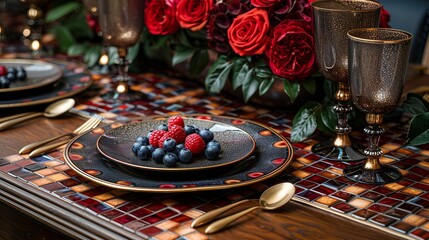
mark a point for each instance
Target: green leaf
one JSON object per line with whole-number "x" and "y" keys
{"x": 328, "y": 117}
{"x": 218, "y": 74}
{"x": 266, "y": 85}
{"x": 78, "y": 26}
{"x": 133, "y": 52}
{"x": 263, "y": 72}
{"x": 291, "y": 88}
{"x": 309, "y": 84}
{"x": 77, "y": 49}
{"x": 238, "y": 78}
{"x": 199, "y": 62}
{"x": 64, "y": 37}
{"x": 250, "y": 85}
{"x": 92, "y": 55}
{"x": 61, "y": 10}
{"x": 414, "y": 104}
{"x": 418, "y": 133}
{"x": 304, "y": 123}
{"x": 182, "y": 54}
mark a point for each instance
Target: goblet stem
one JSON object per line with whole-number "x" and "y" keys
{"x": 123, "y": 65}
{"x": 372, "y": 171}
{"x": 341, "y": 148}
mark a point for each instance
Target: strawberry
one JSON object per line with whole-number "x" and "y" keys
{"x": 195, "y": 143}
{"x": 155, "y": 136}
{"x": 177, "y": 133}
{"x": 175, "y": 120}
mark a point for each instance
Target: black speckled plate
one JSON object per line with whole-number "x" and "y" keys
{"x": 75, "y": 79}
{"x": 272, "y": 155}
{"x": 116, "y": 145}
{"x": 39, "y": 74}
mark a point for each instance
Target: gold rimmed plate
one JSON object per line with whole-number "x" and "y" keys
{"x": 272, "y": 155}
{"x": 236, "y": 145}
{"x": 40, "y": 74}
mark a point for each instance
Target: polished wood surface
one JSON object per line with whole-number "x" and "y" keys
{"x": 294, "y": 221}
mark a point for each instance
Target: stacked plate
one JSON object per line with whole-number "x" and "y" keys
{"x": 251, "y": 152}
{"x": 45, "y": 82}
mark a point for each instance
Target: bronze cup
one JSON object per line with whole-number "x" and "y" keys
{"x": 332, "y": 20}
{"x": 378, "y": 59}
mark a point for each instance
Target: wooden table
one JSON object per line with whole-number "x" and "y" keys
{"x": 25, "y": 215}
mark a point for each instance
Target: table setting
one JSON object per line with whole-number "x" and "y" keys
{"x": 83, "y": 162}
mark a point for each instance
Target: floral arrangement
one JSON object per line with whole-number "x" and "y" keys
{"x": 248, "y": 43}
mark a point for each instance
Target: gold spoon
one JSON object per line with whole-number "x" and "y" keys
{"x": 54, "y": 109}
{"x": 271, "y": 199}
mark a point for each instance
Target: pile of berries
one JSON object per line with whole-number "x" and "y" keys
{"x": 10, "y": 74}
{"x": 174, "y": 142}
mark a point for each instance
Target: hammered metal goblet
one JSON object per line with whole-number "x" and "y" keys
{"x": 332, "y": 20}
{"x": 378, "y": 59}
{"x": 121, "y": 23}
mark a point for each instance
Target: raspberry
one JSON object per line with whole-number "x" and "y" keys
{"x": 177, "y": 133}
{"x": 3, "y": 70}
{"x": 163, "y": 138}
{"x": 195, "y": 143}
{"x": 176, "y": 120}
{"x": 155, "y": 136}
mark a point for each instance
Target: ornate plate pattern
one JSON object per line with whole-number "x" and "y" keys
{"x": 274, "y": 153}
{"x": 39, "y": 74}
{"x": 76, "y": 78}
{"x": 116, "y": 145}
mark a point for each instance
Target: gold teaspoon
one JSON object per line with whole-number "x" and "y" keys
{"x": 271, "y": 199}
{"x": 55, "y": 109}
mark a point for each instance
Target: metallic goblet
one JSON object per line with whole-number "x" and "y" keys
{"x": 121, "y": 23}
{"x": 332, "y": 20}
{"x": 377, "y": 66}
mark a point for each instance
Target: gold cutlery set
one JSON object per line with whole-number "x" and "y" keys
{"x": 53, "y": 110}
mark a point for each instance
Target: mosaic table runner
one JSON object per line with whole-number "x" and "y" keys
{"x": 401, "y": 207}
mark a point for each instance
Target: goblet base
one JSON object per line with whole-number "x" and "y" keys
{"x": 123, "y": 93}
{"x": 334, "y": 153}
{"x": 384, "y": 175}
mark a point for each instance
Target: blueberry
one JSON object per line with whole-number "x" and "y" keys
{"x": 189, "y": 129}
{"x": 169, "y": 144}
{"x": 179, "y": 147}
{"x": 212, "y": 153}
{"x": 185, "y": 156}
{"x": 12, "y": 70}
{"x": 163, "y": 127}
{"x": 170, "y": 159}
{"x": 158, "y": 154}
{"x": 151, "y": 148}
{"x": 136, "y": 147}
{"x": 143, "y": 140}
{"x": 149, "y": 133}
{"x": 214, "y": 143}
{"x": 143, "y": 153}
{"x": 21, "y": 74}
{"x": 11, "y": 76}
{"x": 4, "y": 82}
{"x": 207, "y": 135}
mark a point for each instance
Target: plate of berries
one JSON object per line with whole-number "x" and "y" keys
{"x": 18, "y": 75}
{"x": 176, "y": 144}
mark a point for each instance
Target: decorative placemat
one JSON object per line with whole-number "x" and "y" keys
{"x": 400, "y": 208}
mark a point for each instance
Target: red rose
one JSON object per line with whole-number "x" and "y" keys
{"x": 290, "y": 50}
{"x": 193, "y": 14}
{"x": 264, "y": 3}
{"x": 248, "y": 33}
{"x": 160, "y": 17}
{"x": 384, "y": 18}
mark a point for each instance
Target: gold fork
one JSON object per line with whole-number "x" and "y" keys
{"x": 90, "y": 123}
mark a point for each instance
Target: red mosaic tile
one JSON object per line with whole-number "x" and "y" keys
{"x": 309, "y": 195}
{"x": 152, "y": 219}
{"x": 124, "y": 219}
{"x": 87, "y": 202}
{"x": 76, "y": 197}
{"x": 402, "y": 227}
{"x": 396, "y": 213}
{"x": 53, "y": 186}
{"x": 382, "y": 220}
{"x": 306, "y": 184}
{"x": 321, "y": 165}
{"x": 181, "y": 207}
{"x": 141, "y": 212}
{"x": 343, "y": 207}
{"x": 312, "y": 170}
{"x": 99, "y": 208}
{"x": 150, "y": 231}
{"x": 70, "y": 182}
{"x": 155, "y": 206}
{"x": 408, "y": 207}
{"x": 420, "y": 202}
{"x": 323, "y": 190}
{"x": 389, "y": 202}
{"x": 342, "y": 196}
{"x": 382, "y": 190}
{"x": 181, "y": 218}
{"x": 425, "y": 196}
{"x": 166, "y": 213}
{"x": 373, "y": 196}
{"x": 9, "y": 167}
{"x": 317, "y": 179}
{"x": 420, "y": 233}
{"x": 71, "y": 173}
{"x": 413, "y": 177}
{"x": 420, "y": 171}
{"x": 379, "y": 208}
{"x": 421, "y": 186}
{"x": 313, "y": 157}
{"x": 112, "y": 214}
{"x": 24, "y": 162}
{"x": 364, "y": 214}
{"x": 400, "y": 196}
